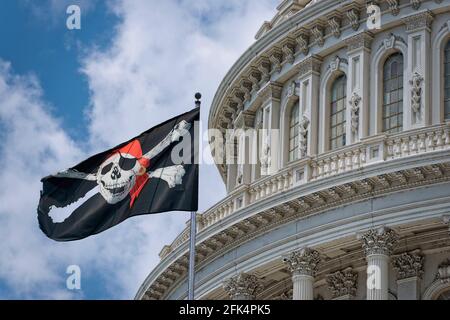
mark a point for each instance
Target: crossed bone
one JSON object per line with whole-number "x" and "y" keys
{"x": 173, "y": 175}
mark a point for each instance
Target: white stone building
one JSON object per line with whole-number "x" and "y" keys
{"x": 351, "y": 200}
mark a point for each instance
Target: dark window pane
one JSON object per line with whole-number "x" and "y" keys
{"x": 393, "y": 93}
{"x": 293, "y": 133}
{"x": 447, "y": 82}
{"x": 337, "y": 112}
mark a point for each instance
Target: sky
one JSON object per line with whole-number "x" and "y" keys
{"x": 67, "y": 94}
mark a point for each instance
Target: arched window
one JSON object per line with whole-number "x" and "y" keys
{"x": 393, "y": 94}
{"x": 293, "y": 133}
{"x": 447, "y": 81}
{"x": 337, "y": 112}
{"x": 444, "y": 295}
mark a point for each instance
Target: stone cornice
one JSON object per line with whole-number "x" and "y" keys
{"x": 239, "y": 233}
{"x": 311, "y": 31}
{"x": 268, "y": 254}
{"x": 286, "y": 9}
{"x": 291, "y": 27}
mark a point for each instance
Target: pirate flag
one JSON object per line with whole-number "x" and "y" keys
{"x": 154, "y": 172}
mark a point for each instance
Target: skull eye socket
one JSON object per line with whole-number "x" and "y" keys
{"x": 107, "y": 168}
{"x": 127, "y": 163}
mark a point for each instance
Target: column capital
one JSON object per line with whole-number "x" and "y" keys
{"x": 417, "y": 22}
{"x": 408, "y": 265}
{"x": 309, "y": 65}
{"x": 362, "y": 40}
{"x": 271, "y": 91}
{"x": 243, "y": 285}
{"x": 244, "y": 120}
{"x": 303, "y": 261}
{"x": 379, "y": 241}
{"x": 343, "y": 283}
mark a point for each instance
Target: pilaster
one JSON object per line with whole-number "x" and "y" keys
{"x": 409, "y": 269}
{"x": 270, "y": 96}
{"x": 309, "y": 78}
{"x": 358, "y": 83}
{"x": 417, "y": 109}
{"x": 247, "y": 138}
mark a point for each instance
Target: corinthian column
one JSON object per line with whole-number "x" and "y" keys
{"x": 243, "y": 287}
{"x": 378, "y": 245}
{"x": 303, "y": 265}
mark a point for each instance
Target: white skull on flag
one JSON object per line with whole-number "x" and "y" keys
{"x": 125, "y": 170}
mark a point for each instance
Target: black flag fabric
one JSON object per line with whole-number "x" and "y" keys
{"x": 154, "y": 172}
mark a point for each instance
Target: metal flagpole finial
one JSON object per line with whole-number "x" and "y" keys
{"x": 198, "y": 96}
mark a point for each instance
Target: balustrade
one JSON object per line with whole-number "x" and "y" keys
{"x": 343, "y": 160}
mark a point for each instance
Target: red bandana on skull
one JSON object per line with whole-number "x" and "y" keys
{"x": 134, "y": 149}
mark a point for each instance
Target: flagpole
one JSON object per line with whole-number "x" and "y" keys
{"x": 193, "y": 232}
{"x": 192, "y": 256}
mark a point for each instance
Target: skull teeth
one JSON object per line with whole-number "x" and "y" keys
{"x": 115, "y": 188}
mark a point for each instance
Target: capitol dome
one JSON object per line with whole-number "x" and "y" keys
{"x": 349, "y": 196}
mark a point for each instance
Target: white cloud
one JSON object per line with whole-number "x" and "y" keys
{"x": 163, "y": 52}
{"x": 32, "y": 143}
